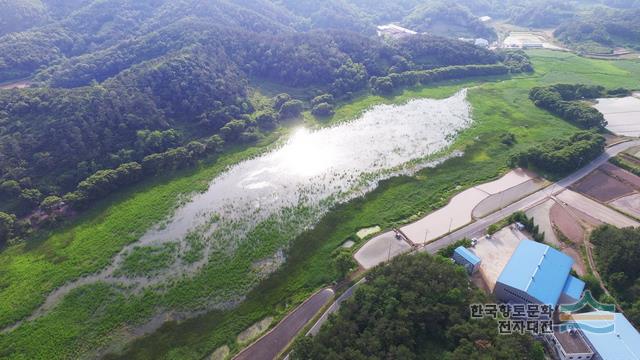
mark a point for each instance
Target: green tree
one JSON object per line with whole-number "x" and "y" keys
{"x": 50, "y": 202}
{"x": 266, "y": 119}
{"x": 7, "y": 224}
{"x": 323, "y": 110}
{"x": 291, "y": 109}
{"x": 10, "y": 187}
{"x": 343, "y": 263}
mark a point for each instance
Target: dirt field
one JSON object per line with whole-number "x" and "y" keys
{"x": 603, "y": 187}
{"x": 495, "y": 253}
{"x": 510, "y": 179}
{"x": 595, "y": 209}
{"x": 497, "y": 201}
{"x": 567, "y": 223}
{"x": 622, "y": 175}
{"x": 379, "y": 249}
{"x": 540, "y": 215}
{"x": 550, "y": 215}
{"x": 629, "y": 205}
{"x": 635, "y": 152}
{"x": 459, "y": 210}
{"x": 454, "y": 215}
{"x": 363, "y": 233}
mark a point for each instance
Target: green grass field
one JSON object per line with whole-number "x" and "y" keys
{"x": 94, "y": 316}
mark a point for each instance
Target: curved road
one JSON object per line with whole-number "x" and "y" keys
{"x": 477, "y": 228}
{"x": 275, "y": 341}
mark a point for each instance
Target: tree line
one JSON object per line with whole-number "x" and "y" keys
{"x": 561, "y": 156}
{"x": 566, "y": 101}
{"x": 513, "y": 62}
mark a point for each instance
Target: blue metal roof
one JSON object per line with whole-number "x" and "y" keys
{"x": 472, "y": 258}
{"x": 623, "y": 343}
{"x": 573, "y": 287}
{"x": 538, "y": 270}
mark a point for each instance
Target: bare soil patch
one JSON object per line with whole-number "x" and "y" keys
{"x": 459, "y": 210}
{"x": 622, "y": 175}
{"x": 541, "y": 216}
{"x": 603, "y": 187}
{"x": 503, "y": 198}
{"x": 380, "y": 249}
{"x": 629, "y": 205}
{"x": 567, "y": 224}
{"x": 254, "y": 330}
{"x": 597, "y": 213}
{"x": 578, "y": 262}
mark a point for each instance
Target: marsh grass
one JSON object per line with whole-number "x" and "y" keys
{"x": 148, "y": 260}
{"x": 30, "y": 271}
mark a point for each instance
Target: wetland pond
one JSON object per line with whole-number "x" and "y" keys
{"x": 317, "y": 169}
{"x": 251, "y": 212}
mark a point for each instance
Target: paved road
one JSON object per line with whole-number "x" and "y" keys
{"x": 334, "y": 307}
{"x": 276, "y": 340}
{"x": 477, "y": 228}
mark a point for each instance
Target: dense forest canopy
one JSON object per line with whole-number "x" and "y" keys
{"x": 602, "y": 29}
{"x": 416, "y": 307}
{"x": 617, "y": 252}
{"x": 126, "y": 89}
{"x": 111, "y": 76}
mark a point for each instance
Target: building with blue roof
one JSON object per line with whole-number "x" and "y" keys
{"x": 620, "y": 343}
{"x": 536, "y": 273}
{"x": 466, "y": 258}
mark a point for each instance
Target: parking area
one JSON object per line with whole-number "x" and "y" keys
{"x": 496, "y": 252}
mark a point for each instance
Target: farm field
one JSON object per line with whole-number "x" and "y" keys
{"x": 603, "y": 187}
{"x": 88, "y": 245}
{"x": 458, "y": 212}
{"x": 622, "y": 114}
{"x": 595, "y": 209}
{"x": 552, "y": 218}
{"x": 540, "y": 215}
{"x": 614, "y": 186}
{"x": 629, "y": 205}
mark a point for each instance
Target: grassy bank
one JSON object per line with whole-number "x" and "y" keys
{"x": 85, "y": 319}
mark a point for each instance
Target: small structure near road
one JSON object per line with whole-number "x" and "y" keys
{"x": 569, "y": 345}
{"x": 481, "y": 42}
{"x": 538, "y": 274}
{"x": 394, "y": 31}
{"x": 466, "y": 258}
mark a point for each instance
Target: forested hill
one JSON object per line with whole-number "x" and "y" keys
{"x": 602, "y": 30}
{"x": 123, "y": 89}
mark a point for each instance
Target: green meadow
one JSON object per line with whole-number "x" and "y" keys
{"x": 99, "y": 315}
